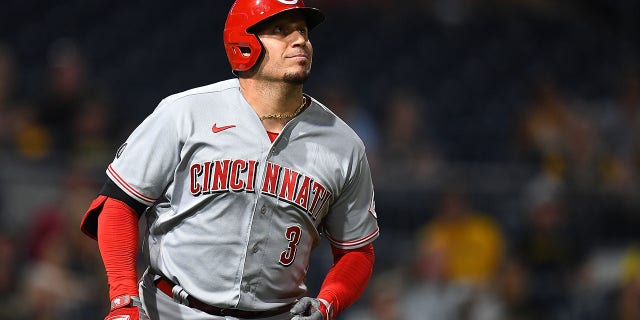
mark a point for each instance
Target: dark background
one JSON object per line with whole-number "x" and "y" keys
{"x": 529, "y": 110}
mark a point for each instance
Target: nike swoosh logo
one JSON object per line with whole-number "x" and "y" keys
{"x": 217, "y": 129}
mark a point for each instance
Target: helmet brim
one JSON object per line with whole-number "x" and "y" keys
{"x": 313, "y": 16}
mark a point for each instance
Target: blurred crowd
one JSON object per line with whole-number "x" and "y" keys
{"x": 504, "y": 139}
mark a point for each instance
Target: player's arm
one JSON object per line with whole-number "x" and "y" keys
{"x": 344, "y": 283}
{"x": 112, "y": 219}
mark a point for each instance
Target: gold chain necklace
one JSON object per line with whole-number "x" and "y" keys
{"x": 285, "y": 115}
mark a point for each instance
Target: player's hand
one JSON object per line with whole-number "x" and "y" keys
{"x": 311, "y": 309}
{"x": 127, "y": 308}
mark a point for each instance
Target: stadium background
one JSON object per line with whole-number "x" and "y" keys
{"x": 504, "y": 138}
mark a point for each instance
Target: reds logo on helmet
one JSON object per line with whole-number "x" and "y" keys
{"x": 243, "y": 47}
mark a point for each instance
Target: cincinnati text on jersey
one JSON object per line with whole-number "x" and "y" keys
{"x": 279, "y": 182}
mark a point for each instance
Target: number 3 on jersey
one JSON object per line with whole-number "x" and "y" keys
{"x": 293, "y": 235}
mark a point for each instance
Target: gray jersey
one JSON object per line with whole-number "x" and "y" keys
{"x": 233, "y": 217}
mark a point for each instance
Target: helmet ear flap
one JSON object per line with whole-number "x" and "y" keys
{"x": 244, "y": 52}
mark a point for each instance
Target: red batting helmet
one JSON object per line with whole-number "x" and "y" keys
{"x": 243, "y": 47}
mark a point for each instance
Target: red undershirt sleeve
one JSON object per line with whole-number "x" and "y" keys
{"x": 118, "y": 242}
{"x": 348, "y": 277}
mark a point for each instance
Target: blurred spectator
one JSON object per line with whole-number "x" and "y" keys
{"x": 410, "y": 154}
{"x": 7, "y": 73}
{"x": 472, "y": 241}
{"x": 7, "y": 66}
{"x": 459, "y": 253}
{"x": 12, "y": 307}
{"x": 547, "y": 246}
{"x": 618, "y": 121}
{"x": 93, "y": 146}
{"x": 627, "y": 306}
{"x": 64, "y": 279}
{"x": 582, "y": 156}
{"x": 593, "y": 285}
{"x": 340, "y": 97}
{"x": 429, "y": 293}
{"x": 542, "y": 130}
{"x": 51, "y": 290}
{"x": 31, "y": 140}
{"x": 381, "y": 300}
{"x": 6, "y": 104}
{"x": 512, "y": 283}
{"x": 20, "y": 131}
{"x": 68, "y": 86}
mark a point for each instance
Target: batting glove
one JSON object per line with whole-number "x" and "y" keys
{"x": 127, "y": 308}
{"x": 312, "y": 309}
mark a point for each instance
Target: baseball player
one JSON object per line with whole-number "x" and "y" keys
{"x": 238, "y": 181}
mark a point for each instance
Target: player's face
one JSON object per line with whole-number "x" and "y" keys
{"x": 288, "y": 51}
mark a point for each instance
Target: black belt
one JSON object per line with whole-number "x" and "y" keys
{"x": 165, "y": 285}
